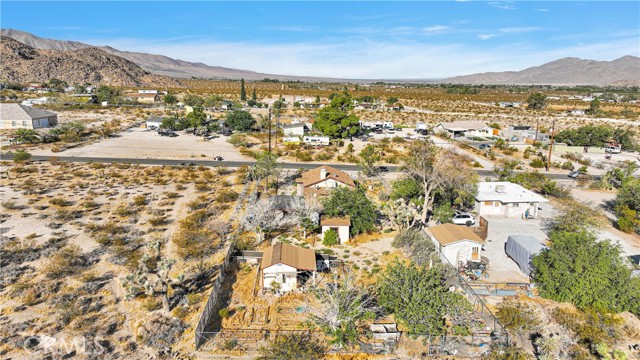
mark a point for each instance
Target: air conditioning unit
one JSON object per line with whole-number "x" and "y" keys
{"x": 501, "y": 189}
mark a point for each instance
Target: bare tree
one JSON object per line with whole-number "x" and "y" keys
{"x": 307, "y": 213}
{"x": 152, "y": 276}
{"x": 436, "y": 169}
{"x": 340, "y": 307}
{"x": 263, "y": 217}
{"x": 403, "y": 214}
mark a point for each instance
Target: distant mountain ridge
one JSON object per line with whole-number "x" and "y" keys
{"x": 23, "y": 63}
{"x": 624, "y": 71}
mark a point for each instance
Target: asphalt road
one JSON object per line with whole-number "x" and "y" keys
{"x": 230, "y": 164}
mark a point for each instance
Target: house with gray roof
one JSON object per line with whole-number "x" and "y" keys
{"x": 17, "y": 116}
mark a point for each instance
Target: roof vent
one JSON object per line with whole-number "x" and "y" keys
{"x": 501, "y": 189}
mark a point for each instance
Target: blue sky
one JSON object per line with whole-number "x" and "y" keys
{"x": 346, "y": 39}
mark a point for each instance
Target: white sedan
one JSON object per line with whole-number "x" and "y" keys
{"x": 463, "y": 219}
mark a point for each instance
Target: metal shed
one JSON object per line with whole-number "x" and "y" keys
{"x": 522, "y": 248}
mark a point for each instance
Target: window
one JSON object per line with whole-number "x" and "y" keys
{"x": 496, "y": 203}
{"x": 25, "y": 123}
{"x": 14, "y": 124}
{"x": 488, "y": 202}
{"x": 515, "y": 205}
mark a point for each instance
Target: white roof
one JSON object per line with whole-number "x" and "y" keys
{"x": 509, "y": 193}
{"x": 463, "y": 125}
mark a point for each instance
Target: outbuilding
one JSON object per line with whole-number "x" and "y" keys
{"x": 456, "y": 243}
{"x": 341, "y": 225}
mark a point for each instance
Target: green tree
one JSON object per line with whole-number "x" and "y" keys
{"x": 170, "y": 99}
{"x": 168, "y": 123}
{"x": 421, "y": 299}
{"x": 518, "y": 317}
{"x": 193, "y": 100}
{"x": 196, "y": 118}
{"x": 344, "y": 201}
{"x": 292, "y": 347}
{"x": 330, "y": 238}
{"x": 254, "y": 97}
{"x": 108, "y": 93}
{"x": 335, "y": 120}
{"x": 369, "y": 156}
{"x": 627, "y": 204}
{"x": 240, "y": 120}
{"x": 408, "y": 189}
{"x": 536, "y": 101}
{"x": 266, "y": 166}
{"x": 589, "y": 273}
{"x": 391, "y": 100}
{"x": 26, "y": 136}
{"x": 243, "y": 92}
{"x": 505, "y": 167}
{"x": 594, "y": 107}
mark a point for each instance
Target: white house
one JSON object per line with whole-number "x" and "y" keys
{"x": 321, "y": 180}
{"x": 456, "y": 243}
{"x": 38, "y": 101}
{"x": 143, "y": 91}
{"x": 464, "y": 128}
{"x": 297, "y": 129}
{"x": 503, "y": 198}
{"x": 16, "y": 116}
{"x": 283, "y": 264}
{"x": 340, "y": 225}
{"x": 577, "y": 112}
{"x": 316, "y": 140}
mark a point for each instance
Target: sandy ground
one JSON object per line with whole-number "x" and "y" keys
{"x": 139, "y": 143}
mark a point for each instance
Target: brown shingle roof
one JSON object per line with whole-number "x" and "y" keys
{"x": 312, "y": 177}
{"x": 281, "y": 253}
{"x": 447, "y": 234}
{"x": 335, "y": 221}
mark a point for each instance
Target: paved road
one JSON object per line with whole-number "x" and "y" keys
{"x": 230, "y": 164}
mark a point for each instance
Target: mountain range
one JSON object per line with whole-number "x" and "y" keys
{"x": 624, "y": 71}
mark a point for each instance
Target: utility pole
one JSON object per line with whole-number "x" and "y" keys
{"x": 537, "y": 127}
{"x": 553, "y": 127}
{"x": 269, "y": 131}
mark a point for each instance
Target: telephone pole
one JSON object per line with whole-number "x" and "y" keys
{"x": 269, "y": 131}
{"x": 553, "y": 128}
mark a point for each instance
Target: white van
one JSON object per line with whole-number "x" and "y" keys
{"x": 613, "y": 149}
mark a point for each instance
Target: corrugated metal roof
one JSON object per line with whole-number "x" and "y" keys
{"x": 281, "y": 253}
{"x": 447, "y": 234}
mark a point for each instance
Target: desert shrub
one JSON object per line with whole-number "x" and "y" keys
{"x": 221, "y": 170}
{"x": 66, "y": 261}
{"x": 181, "y": 312}
{"x": 124, "y": 210}
{"x": 292, "y": 347}
{"x": 537, "y": 163}
{"x": 10, "y": 205}
{"x": 140, "y": 200}
{"x": 330, "y": 238}
{"x": 567, "y": 165}
{"x": 59, "y": 202}
{"x": 158, "y": 221}
{"x": 627, "y": 219}
{"x": 21, "y": 156}
{"x": 224, "y": 313}
{"x": 172, "y": 195}
{"x": 518, "y": 317}
{"x": 227, "y": 196}
{"x": 193, "y": 239}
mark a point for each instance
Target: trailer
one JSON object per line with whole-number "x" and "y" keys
{"x": 522, "y": 248}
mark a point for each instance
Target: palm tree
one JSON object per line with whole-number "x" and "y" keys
{"x": 27, "y": 136}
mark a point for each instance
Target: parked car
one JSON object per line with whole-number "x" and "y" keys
{"x": 461, "y": 218}
{"x": 484, "y": 146}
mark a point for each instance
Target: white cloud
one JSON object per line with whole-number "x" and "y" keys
{"x": 504, "y": 5}
{"x": 520, "y": 29}
{"x": 487, "y": 36}
{"x": 542, "y": 9}
{"x": 368, "y": 59}
{"x": 435, "y": 29}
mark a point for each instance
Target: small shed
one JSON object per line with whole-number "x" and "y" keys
{"x": 283, "y": 265}
{"x": 340, "y": 225}
{"x": 522, "y": 248}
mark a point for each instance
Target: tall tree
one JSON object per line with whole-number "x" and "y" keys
{"x": 240, "y": 120}
{"x": 335, "y": 119}
{"x": 536, "y": 101}
{"x": 344, "y": 201}
{"x": 266, "y": 166}
{"x": 369, "y": 156}
{"x": 170, "y": 99}
{"x": 243, "y": 92}
{"x": 436, "y": 170}
{"x": 254, "y": 97}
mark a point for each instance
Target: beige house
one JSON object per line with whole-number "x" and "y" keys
{"x": 145, "y": 98}
{"x": 319, "y": 181}
{"x": 340, "y": 225}
{"x": 283, "y": 265}
{"x": 16, "y": 116}
{"x": 456, "y": 243}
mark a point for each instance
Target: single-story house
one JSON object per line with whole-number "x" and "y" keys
{"x": 340, "y": 225}
{"x": 456, "y": 243}
{"x": 145, "y": 98}
{"x": 154, "y": 122}
{"x": 16, "y": 116}
{"x": 146, "y": 91}
{"x": 294, "y": 129}
{"x": 577, "y": 112}
{"x": 291, "y": 140}
{"x": 316, "y": 140}
{"x": 39, "y": 101}
{"x": 464, "y": 128}
{"x": 506, "y": 104}
{"x": 519, "y": 131}
{"x": 319, "y": 181}
{"x": 283, "y": 265}
{"x": 503, "y": 198}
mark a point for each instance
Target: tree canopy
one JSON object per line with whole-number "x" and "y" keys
{"x": 597, "y": 135}
{"x": 240, "y": 120}
{"x": 344, "y": 201}
{"x": 420, "y": 298}
{"x": 536, "y": 101}
{"x": 335, "y": 120}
